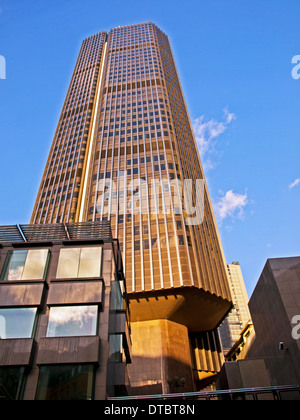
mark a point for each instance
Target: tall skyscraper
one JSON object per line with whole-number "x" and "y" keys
{"x": 124, "y": 151}
{"x": 239, "y": 316}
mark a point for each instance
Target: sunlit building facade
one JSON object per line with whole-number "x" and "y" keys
{"x": 239, "y": 316}
{"x": 124, "y": 151}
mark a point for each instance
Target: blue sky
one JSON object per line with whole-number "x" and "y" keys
{"x": 235, "y": 63}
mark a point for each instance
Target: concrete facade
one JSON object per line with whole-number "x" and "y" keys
{"x": 273, "y": 305}
{"x": 273, "y": 358}
{"x": 41, "y": 351}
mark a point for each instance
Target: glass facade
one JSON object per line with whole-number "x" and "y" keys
{"x": 117, "y": 301}
{"x": 56, "y": 328}
{"x": 79, "y": 263}
{"x": 26, "y": 265}
{"x": 65, "y": 382}
{"x": 116, "y": 348}
{"x": 12, "y": 381}
{"x": 17, "y": 322}
{"x": 71, "y": 321}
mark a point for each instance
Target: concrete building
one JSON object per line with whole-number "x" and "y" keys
{"x": 64, "y": 314}
{"x": 275, "y": 310}
{"x": 239, "y": 316}
{"x": 273, "y": 359}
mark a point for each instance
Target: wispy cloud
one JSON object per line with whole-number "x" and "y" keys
{"x": 231, "y": 205}
{"x": 206, "y": 133}
{"x": 294, "y": 184}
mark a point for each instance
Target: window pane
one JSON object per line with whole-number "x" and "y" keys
{"x": 35, "y": 264}
{"x": 17, "y": 323}
{"x": 72, "y": 321}
{"x": 65, "y": 382}
{"x": 116, "y": 296}
{"x": 68, "y": 263}
{"x": 12, "y": 380}
{"x": 115, "y": 348}
{"x": 14, "y": 265}
{"x": 90, "y": 262}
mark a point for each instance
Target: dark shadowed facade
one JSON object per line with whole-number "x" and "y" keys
{"x": 272, "y": 358}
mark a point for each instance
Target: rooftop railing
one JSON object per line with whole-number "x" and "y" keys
{"x": 56, "y": 232}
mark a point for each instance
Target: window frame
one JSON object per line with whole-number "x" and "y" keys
{"x": 78, "y": 263}
{"x": 33, "y": 326}
{"x": 95, "y": 321}
{"x": 9, "y": 258}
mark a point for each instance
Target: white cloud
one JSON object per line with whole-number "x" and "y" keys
{"x": 230, "y": 116}
{"x": 231, "y": 205}
{"x": 80, "y": 314}
{"x": 206, "y": 133}
{"x": 294, "y": 184}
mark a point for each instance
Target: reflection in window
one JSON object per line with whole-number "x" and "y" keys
{"x": 26, "y": 265}
{"x": 79, "y": 263}
{"x": 115, "y": 348}
{"x": 65, "y": 383}
{"x": 12, "y": 381}
{"x": 72, "y": 321}
{"x": 17, "y": 322}
{"x": 116, "y": 296}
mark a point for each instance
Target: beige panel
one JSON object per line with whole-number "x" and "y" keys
{"x": 68, "y": 263}
{"x": 90, "y": 262}
{"x": 35, "y": 264}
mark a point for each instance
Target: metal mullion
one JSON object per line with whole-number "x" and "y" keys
{"x": 108, "y": 137}
{"x": 101, "y": 44}
{"x": 120, "y": 135}
{"x": 65, "y": 126}
{"x": 205, "y": 260}
{"x": 132, "y": 215}
{"x": 167, "y": 170}
{"x": 154, "y": 183}
{"x": 105, "y": 82}
{"x": 146, "y": 176}
{"x": 66, "y": 141}
{"x": 85, "y": 200}
{"x": 102, "y": 138}
{"x": 114, "y": 131}
{"x": 138, "y": 148}
{"x": 66, "y": 160}
{"x": 98, "y": 43}
{"x": 89, "y": 80}
{"x": 60, "y": 123}
{"x": 125, "y": 161}
{"x": 178, "y": 157}
{"x": 156, "y": 47}
{"x": 146, "y": 172}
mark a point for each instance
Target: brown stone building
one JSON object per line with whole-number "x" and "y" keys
{"x": 64, "y": 315}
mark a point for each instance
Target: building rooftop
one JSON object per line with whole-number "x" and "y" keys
{"x": 56, "y": 232}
